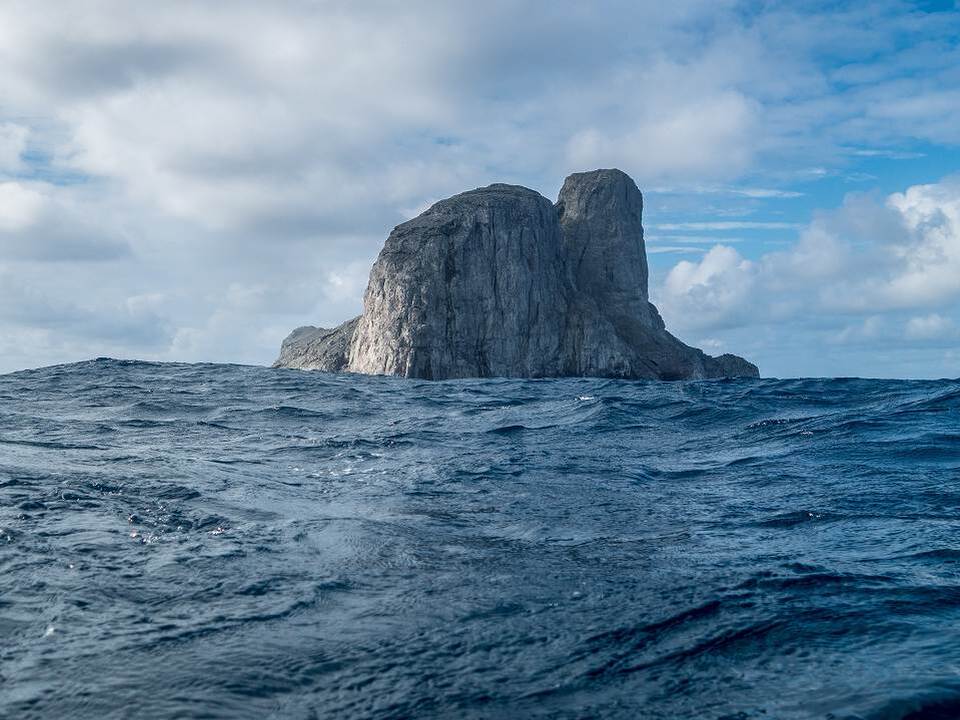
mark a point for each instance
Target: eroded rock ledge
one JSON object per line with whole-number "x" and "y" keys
{"x": 500, "y": 282}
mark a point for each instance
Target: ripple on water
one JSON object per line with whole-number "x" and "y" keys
{"x": 227, "y": 541}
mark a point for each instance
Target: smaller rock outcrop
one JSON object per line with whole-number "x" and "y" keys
{"x": 308, "y": 347}
{"x": 473, "y": 287}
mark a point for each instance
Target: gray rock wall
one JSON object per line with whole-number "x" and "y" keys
{"x": 474, "y": 287}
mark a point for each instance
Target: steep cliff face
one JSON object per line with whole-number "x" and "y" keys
{"x": 600, "y": 216}
{"x": 611, "y": 326}
{"x": 498, "y": 282}
{"x": 474, "y": 287}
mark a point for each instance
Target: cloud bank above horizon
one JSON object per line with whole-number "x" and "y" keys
{"x": 190, "y": 181}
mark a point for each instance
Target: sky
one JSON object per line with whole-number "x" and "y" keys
{"x": 190, "y": 181}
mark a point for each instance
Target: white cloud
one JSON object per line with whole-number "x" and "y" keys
{"x": 867, "y": 330}
{"x": 39, "y": 221}
{"x": 712, "y": 345}
{"x": 712, "y": 136}
{"x": 127, "y": 321}
{"x": 929, "y": 259}
{"x": 930, "y": 327}
{"x": 347, "y": 283}
{"x": 20, "y": 206}
{"x": 892, "y": 154}
{"x": 851, "y": 272}
{"x": 710, "y": 293}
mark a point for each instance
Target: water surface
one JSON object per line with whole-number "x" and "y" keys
{"x": 237, "y": 542}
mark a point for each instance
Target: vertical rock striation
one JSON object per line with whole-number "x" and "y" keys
{"x": 498, "y": 282}
{"x": 474, "y": 287}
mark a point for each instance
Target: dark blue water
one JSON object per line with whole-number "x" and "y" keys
{"x": 236, "y": 542}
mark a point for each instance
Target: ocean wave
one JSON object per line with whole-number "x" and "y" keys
{"x": 311, "y": 545}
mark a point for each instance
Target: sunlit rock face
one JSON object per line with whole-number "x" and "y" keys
{"x": 474, "y": 287}
{"x": 499, "y": 282}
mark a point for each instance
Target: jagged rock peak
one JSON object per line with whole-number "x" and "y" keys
{"x": 498, "y": 281}
{"x": 601, "y": 214}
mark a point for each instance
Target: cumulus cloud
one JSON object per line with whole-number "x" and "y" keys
{"x": 929, "y": 260}
{"x": 870, "y": 258}
{"x": 711, "y": 293}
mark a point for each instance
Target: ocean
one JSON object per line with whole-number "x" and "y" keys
{"x": 218, "y": 541}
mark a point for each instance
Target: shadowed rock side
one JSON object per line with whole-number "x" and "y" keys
{"x": 499, "y": 282}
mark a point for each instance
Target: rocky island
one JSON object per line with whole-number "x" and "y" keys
{"x": 500, "y": 282}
